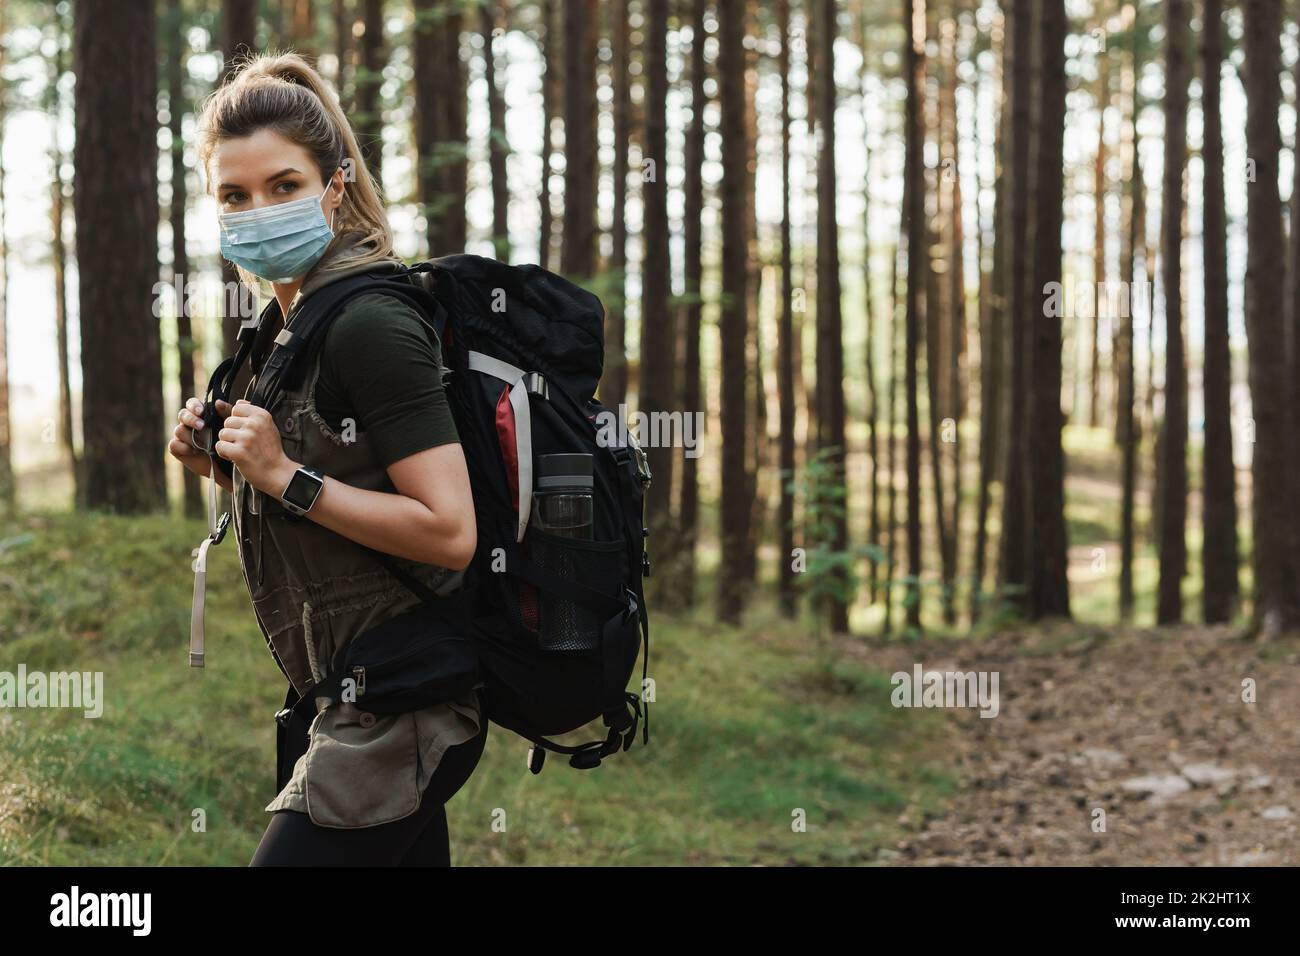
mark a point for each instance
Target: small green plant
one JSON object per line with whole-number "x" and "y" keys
{"x": 829, "y": 573}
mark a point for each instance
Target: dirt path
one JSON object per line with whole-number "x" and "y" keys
{"x": 1149, "y": 727}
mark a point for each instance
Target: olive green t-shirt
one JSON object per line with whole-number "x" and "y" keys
{"x": 378, "y": 367}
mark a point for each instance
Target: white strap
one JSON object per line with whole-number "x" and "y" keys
{"x": 212, "y": 495}
{"x": 495, "y": 367}
{"x": 514, "y": 377}
{"x": 200, "y": 568}
{"x": 196, "y": 609}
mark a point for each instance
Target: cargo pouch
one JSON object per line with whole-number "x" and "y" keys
{"x": 413, "y": 660}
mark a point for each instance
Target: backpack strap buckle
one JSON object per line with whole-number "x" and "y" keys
{"x": 536, "y": 384}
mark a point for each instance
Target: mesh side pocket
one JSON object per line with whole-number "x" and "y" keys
{"x": 564, "y": 625}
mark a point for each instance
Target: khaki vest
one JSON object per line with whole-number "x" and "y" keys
{"x": 313, "y": 591}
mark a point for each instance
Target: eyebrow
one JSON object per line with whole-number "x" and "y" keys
{"x": 287, "y": 171}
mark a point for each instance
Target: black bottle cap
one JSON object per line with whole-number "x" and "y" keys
{"x": 565, "y": 470}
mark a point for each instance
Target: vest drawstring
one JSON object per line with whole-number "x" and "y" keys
{"x": 312, "y": 662}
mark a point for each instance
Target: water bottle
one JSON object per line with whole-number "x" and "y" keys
{"x": 562, "y": 502}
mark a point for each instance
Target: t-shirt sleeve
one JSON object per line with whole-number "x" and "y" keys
{"x": 379, "y": 360}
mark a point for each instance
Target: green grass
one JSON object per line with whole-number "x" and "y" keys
{"x": 748, "y": 730}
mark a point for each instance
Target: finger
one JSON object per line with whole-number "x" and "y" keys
{"x": 229, "y": 450}
{"x": 185, "y": 452}
{"x": 190, "y": 420}
{"x": 180, "y": 448}
{"x": 248, "y": 413}
{"x": 186, "y": 437}
{"x": 223, "y": 407}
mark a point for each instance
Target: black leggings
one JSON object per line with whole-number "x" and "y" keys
{"x": 420, "y": 839}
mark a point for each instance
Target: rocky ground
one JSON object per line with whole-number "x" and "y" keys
{"x": 1150, "y": 728}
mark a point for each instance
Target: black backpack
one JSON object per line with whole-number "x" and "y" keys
{"x": 557, "y": 622}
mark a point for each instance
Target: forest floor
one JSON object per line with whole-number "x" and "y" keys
{"x": 1150, "y": 728}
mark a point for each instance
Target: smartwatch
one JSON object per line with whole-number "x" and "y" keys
{"x": 302, "y": 490}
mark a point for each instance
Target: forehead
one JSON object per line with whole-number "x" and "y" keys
{"x": 256, "y": 156}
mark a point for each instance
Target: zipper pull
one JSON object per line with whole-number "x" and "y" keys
{"x": 359, "y": 674}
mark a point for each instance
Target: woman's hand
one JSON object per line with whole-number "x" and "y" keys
{"x": 181, "y": 447}
{"x": 251, "y": 440}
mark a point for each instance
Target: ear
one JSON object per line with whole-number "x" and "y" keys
{"x": 334, "y": 191}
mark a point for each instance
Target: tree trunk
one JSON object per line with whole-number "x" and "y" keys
{"x": 1049, "y": 594}
{"x": 658, "y": 337}
{"x": 59, "y": 258}
{"x": 8, "y": 491}
{"x": 1277, "y": 606}
{"x": 1126, "y": 359}
{"x": 115, "y": 161}
{"x": 869, "y": 357}
{"x": 368, "y": 117}
{"x": 1219, "y": 548}
{"x": 302, "y": 26}
{"x": 1173, "y": 439}
{"x": 1291, "y": 312}
{"x": 732, "y": 322}
{"x": 830, "y": 344}
{"x": 785, "y": 336}
{"x": 343, "y": 18}
{"x": 440, "y": 131}
{"x": 1098, "y": 236}
{"x": 498, "y": 144}
{"x": 915, "y": 229}
{"x": 755, "y": 384}
{"x": 578, "y": 246}
{"x": 891, "y": 512}
{"x": 614, "y": 381}
{"x": 192, "y": 503}
{"x": 993, "y": 318}
{"x": 1013, "y": 559}
{"x": 550, "y": 64}
{"x": 692, "y": 388}
{"x": 954, "y": 315}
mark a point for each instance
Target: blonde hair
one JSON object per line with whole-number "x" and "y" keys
{"x": 282, "y": 92}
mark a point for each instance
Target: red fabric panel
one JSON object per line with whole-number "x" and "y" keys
{"x": 506, "y": 436}
{"x": 505, "y": 421}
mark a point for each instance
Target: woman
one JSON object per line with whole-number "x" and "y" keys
{"x": 371, "y": 417}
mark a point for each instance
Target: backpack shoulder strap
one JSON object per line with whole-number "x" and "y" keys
{"x": 282, "y": 368}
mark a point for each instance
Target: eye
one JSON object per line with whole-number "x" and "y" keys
{"x": 233, "y": 199}
{"x": 285, "y": 187}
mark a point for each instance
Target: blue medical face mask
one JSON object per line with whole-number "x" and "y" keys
{"x": 278, "y": 243}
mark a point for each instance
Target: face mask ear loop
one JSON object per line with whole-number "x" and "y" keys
{"x": 335, "y": 213}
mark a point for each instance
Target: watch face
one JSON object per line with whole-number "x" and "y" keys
{"x": 302, "y": 490}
